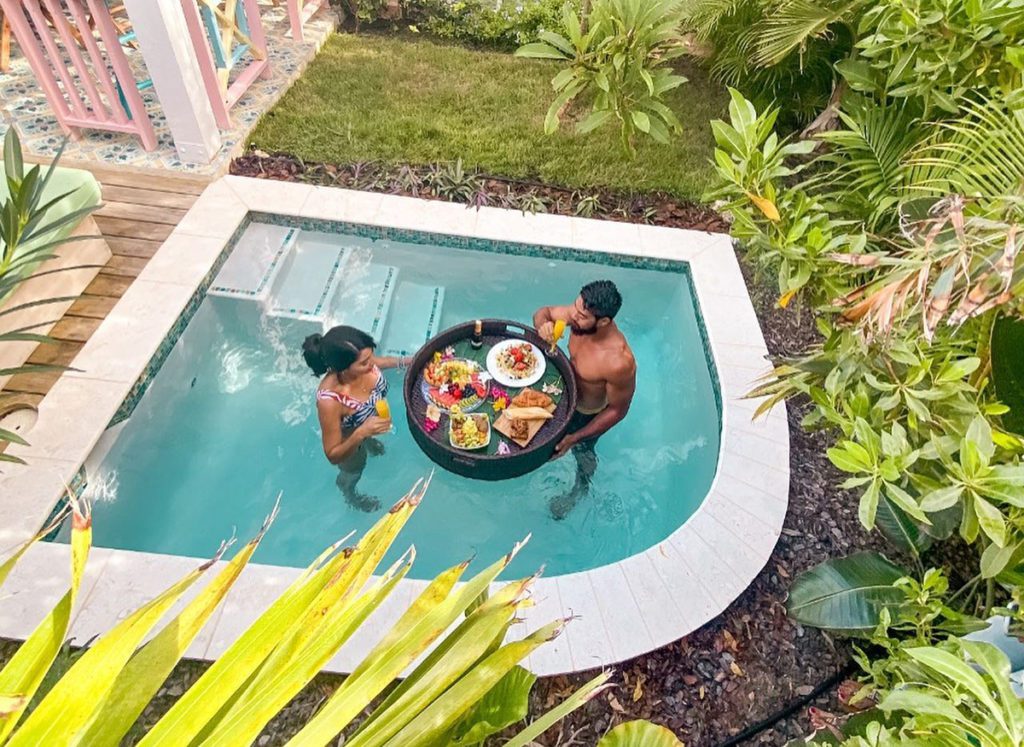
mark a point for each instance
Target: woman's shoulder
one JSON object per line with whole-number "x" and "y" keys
{"x": 329, "y": 397}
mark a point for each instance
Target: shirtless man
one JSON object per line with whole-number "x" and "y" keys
{"x": 605, "y": 377}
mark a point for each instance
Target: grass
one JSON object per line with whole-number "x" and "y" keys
{"x": 394, "y": 100}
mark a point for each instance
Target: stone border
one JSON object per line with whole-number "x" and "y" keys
{"x": 624, "y": 609}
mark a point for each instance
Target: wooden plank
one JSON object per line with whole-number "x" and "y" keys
{"x": 34, "y": 383}
{"x": 15, "y": 400}
{"x": 127, "y": 246}
{"x": 74, "y": 328}
{"x": 114, "y": 193}
{"x": 108, "y": 285}
{"x": 143, "y": 213}
{"x": 162, "y": 182}
{"x": 58, "y": 354}
{"x": 96, "y": 307}
{"x": 133, "y": 228}
{"x": 125, "y": 266}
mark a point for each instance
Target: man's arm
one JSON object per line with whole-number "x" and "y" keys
{"x": 619, "y": 392}
{"x": 544, "y": 319}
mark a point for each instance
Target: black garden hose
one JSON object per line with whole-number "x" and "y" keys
{"x": 755, "y": 729}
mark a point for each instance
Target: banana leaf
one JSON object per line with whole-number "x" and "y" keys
{"x": 847, "y": 594}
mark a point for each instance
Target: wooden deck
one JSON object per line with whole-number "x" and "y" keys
{"x": 138, "y": 213}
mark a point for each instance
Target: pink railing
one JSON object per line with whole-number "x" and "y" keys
{"x": 75, "y": 53}
{"x": 300, "y": 11}
{"x": 222, "y": 91}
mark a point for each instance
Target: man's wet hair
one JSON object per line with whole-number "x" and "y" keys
{"x": 601, "y": 298}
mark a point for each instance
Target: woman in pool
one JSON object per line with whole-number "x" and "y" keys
{"x": 351, "y": 385}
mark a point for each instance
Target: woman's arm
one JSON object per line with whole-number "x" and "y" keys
{"x": 391, "y": 361}
{"x": 337, "y": 446}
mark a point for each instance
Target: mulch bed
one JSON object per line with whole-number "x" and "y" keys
{"x": 478, "y": 189}
{"x": 750, "y": 662}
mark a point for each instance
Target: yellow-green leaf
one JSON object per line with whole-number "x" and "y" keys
{"x": 147, "y": 670}
{"x": 25, "y": 671}
{"x": 67, "y": 709}
{"x": 220, "y": 686}
{"x": 766, "y": 206}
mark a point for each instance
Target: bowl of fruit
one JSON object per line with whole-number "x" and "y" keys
{"x": 469, "y": 431}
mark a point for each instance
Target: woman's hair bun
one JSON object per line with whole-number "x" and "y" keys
{"x": 311, "y": 352}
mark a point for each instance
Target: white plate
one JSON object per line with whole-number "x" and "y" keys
{"x": 506, "y": 380}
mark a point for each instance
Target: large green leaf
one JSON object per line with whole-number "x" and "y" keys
{"x": 639, "y": 734}
{"x": 846, "y": 594}
{"x": 894, "y": 524}
{"x": 1008, "y": 370}
{"x": 505, "y": 704}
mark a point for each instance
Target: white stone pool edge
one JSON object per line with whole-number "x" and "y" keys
{"x": 623, "y": 610}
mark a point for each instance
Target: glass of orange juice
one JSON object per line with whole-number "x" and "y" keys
{"x": 556, "y": 333}
{"x": 384, "y": 410}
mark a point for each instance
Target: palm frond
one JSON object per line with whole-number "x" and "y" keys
{"x": 703, "y": 17}
{"x": 980, "y": 154}
{"x": 868, "y": 158}
{"x": 793, "y": 24}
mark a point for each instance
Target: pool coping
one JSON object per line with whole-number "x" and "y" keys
{"x": 623, "y": 610}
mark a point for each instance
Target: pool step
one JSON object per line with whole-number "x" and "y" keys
{"x": 308, "y": 278}
{"x": 414, "y": 318}
{"x": 250, "y": 269}
{"x": 363, "y": 299}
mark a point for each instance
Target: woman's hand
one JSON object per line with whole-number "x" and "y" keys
{"x": 374, "y": 426}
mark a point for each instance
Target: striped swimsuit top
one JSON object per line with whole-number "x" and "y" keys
{"x": 361, "y": 411}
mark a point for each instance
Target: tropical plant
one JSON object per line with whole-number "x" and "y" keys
{"x": 28, "y": 239}
{"x": 956, "y": 694}
{"x": 784, "y": 231}
{"x": 452, "y": 182}
{"x": 639, "y": 734}
{"x": 502, "y": 24}
{"x": 618, "y": 57}
{"x": 586, "y": 205}
{"x": 940, "y": 51}
{"x": 735, "y": 31}
{"x": 465, "y": 689}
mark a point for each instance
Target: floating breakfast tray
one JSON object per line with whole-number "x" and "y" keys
{"x": 487, "y": 463}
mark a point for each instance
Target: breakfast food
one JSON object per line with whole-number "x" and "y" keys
{"x": 528, "y": 413}
{"x": 470, "y": 431}
{"x": 519, "y": 430}
{"x": 531, "y": 398}
{"x": 517, "y": 361}
{"x": 454, "y": 382}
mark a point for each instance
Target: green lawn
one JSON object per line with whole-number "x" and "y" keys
{"x": 395, "y": 100}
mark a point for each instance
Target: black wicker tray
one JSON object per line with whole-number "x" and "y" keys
{"x": 486, "y": 464}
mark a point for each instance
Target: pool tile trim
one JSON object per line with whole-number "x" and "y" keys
{"x": 622, "y": 610}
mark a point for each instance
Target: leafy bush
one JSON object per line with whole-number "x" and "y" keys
{"x": 501, "y": 24}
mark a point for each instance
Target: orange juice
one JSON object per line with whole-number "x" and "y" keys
{"x": 383, "y": 409}
{"x": 557, "y": 332}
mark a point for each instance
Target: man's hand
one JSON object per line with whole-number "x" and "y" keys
{"x": 547, "y": 331}
{"x": 565, "y": 446}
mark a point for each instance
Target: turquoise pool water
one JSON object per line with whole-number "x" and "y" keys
{"x": 229, "y": 420}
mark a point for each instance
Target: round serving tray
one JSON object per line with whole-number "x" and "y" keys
{"x": 479, "y": 465}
